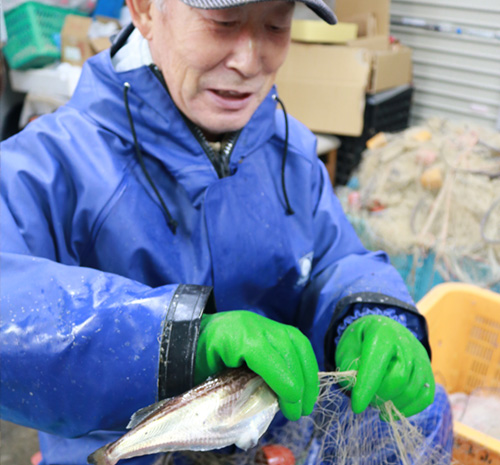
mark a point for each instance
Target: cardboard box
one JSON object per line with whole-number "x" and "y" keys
{"x": 391, "y": 64}
{"x": 367, "y": 24}
{"x": 374, "y": 43}
{"x": 324, "y": 86}
{"x": 390, "y": 68}
{"x": 379, "y": 10}
{"x": 98, "y": 44}
{"x": 76, "y": 44}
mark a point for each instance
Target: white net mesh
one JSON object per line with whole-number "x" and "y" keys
{"x": 334, "y": 435}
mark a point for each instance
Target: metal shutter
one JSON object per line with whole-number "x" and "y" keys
{"x": 456, "y": 74}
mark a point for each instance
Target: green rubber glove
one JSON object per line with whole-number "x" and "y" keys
{"x": 279, "y": 353}
{"x": 391, "y": 363}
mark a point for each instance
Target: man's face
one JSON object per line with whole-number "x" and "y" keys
{"x": 219, "y": 65}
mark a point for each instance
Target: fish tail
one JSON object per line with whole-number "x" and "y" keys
{"x": 100, "y": 457}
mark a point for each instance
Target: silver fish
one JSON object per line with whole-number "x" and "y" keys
{"x": 235, "y": 407}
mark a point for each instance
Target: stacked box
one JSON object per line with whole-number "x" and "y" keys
{"x": 384, "y": 112}
{"x": 328, "y": 71}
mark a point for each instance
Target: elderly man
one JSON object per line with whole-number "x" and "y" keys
{"x": 170, "y": 221}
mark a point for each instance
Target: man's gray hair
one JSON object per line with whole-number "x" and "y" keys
{"x": 160, "y": 4}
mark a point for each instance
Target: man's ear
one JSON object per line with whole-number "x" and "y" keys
{"x": 141, "y": 13}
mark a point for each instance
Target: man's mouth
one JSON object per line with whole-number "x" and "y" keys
{"x": 230, "y": 99}
{"x": 231, "y": 94}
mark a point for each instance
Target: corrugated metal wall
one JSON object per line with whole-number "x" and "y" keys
{"x": 456, "y": 74}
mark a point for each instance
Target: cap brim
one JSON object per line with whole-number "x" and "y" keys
{"x": 318, "y": 6}
{"x": 321, "y": 9}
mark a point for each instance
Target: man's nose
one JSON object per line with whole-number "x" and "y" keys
{"x": 246, "y": 54}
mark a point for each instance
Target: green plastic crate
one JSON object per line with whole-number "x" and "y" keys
{"x": 32, "y": 31}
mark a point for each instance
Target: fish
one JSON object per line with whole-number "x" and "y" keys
{"x": 233, "y": 407}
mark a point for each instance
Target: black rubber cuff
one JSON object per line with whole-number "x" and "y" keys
{"x": 180, "y": 338}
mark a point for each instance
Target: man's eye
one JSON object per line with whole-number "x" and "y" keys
{"x": 277, "y": 29}
{"x": 226, "y": 24}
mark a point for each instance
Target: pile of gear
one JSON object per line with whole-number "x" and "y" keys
{"x": 432, "y": 191}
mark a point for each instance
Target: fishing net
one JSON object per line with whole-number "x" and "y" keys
{"x": 432, "y": 191}
{"x": 334, "y": 435}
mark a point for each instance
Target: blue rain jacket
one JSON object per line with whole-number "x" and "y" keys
{"x": 101, "y": 300}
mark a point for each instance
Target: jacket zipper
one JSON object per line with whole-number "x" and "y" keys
{"x": 222, "y": 167}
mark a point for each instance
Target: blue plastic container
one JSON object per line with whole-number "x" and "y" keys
{"x": 109, "y": 8}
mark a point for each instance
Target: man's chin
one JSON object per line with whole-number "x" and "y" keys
{"x": 223, "y": 125}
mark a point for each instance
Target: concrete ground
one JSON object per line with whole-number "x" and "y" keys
{"x": 17, "y": 444}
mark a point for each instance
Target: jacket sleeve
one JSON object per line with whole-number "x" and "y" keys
{"x": 346, "y": 276}
{"x": 81, "y": 349}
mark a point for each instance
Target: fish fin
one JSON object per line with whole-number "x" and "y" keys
{"x": 143, "y": 413}
{"x": 246, "y": 444}
{"x": 256, "y": 428}
{"x": 100, "y": 457}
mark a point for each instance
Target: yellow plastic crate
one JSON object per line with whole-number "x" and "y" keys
{"x": 464, "y": 331}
